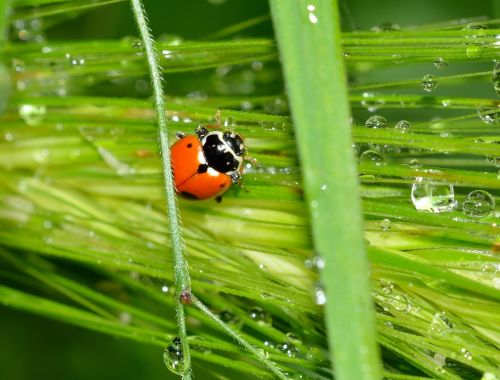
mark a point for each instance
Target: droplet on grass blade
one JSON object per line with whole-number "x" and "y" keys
{"x": 372, "y": 101}
{"x": 432, "y": 197}
{"x": 440, "y": 63}
{"x": 173, "y": 357}
{"x": 376, "y": 121}
{"x": 478, "y": 204}
{"x": 429, "y": 83}
{"x": 489, "y": 115}
{"x": 260, "y": 316}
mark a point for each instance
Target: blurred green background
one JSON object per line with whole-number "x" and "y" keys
{"x": 37, "y": 348}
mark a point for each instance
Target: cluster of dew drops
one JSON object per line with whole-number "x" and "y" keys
{"x": 427, "y": 195}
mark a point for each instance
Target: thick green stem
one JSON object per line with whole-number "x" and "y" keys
{"x": 308, "y": 33}
{"x": 182, "y": 281}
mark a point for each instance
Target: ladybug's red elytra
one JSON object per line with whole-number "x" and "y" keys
{"x": 205, "y": 165}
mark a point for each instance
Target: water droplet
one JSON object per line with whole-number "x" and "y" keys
{"x": 173, "y": 356}
{"x": 319, "y": 295}
{"x": 75, "y": 60}
{"x": 403, "y": 126}
{"x": 371, "y": 156}
{"x": 229, "y": 317}
{"x": 440, "y": 63}
{"x": 488, "y": 115}
{"x": 466, "y": 354}
{"x": 47, "y": 224}
{"x": 386, "y": 27}
{"x": 478, "y": 204}
{"x": 376, "y": 121}
{"x": 276, "y": 106}
{"x": 315, "y": 262}
{"x": 496, "y": 77}
{"x": 372, "y": 101}
{"x": 399, "y": 302}
{"x": 288, "y": 348}
{"x": 387, "y": 286}
{"x": 489, "y": 376}
{"x": 125, "y": 318}
{"x": 431, "y": 197}
{"x": 164, "y": 289}
{"x": 32, "y": 114}
{"x": 446, "y": 102}
{"x": 440, "y": 325}
{"x": 389, "y": 324}
{"x": 41, "y": 156}
{"x": 385, "y": 224}
{"x": 429, "y": 83}
{"x": 312, "y": 17}
{"x": 474, "y": 46}
{"x": 260, "y": 316}
{"x": 415, "y": 164}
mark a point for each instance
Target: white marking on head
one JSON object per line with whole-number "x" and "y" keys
{"x": 201, "y": 157}
{"x": 212, "y": 172}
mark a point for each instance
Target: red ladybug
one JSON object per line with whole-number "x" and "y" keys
{"x": 205, "y": 165}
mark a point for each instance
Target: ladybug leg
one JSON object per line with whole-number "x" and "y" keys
{"x": 180, "y": 135}
{"x": 252, "y": 160}
{"x": 201, "y": 131}
{"x": 235, "y": 177}
{"x": 217, "y": 119}
{"x": 218, "y": 199}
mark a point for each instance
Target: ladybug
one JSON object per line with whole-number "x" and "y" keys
{"x": 205, "y": 165}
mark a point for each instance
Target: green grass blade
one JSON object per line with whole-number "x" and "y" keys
{"x": 308, "y": 34}
{"x": 182, "y": 280}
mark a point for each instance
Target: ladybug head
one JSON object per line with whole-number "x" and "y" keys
{"x": 235, "y": 142}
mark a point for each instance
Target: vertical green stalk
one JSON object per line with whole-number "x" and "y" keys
{"x": 308, "y": 33}
{"x": 182, "y": 281}
{"x": 4, "y": 10}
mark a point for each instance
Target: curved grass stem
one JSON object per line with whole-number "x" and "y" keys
{"x": 182, "y": 280}
{"x": 257, "y": 353}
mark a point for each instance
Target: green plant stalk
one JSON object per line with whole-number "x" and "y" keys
{"x": 4, "y": 10}
{"x": 182, "y": 280}
{"x": 257, "y": 353}
{"x": 308, "y": 34}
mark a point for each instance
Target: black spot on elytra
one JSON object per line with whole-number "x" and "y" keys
{"x": 189, "y": 145}
{"x": 222, "y": 185}
{"x": 187, "y": 195}
{"x": 202, "y": 168}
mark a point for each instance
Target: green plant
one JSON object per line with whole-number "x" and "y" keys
{"x": 84, "y": 237}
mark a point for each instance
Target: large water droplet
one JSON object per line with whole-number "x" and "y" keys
{"x": 376, "y": 121}
{"x": 173, "y": 357}
{"x": 478, "y": 204}
{"x": 431, "y": 197}
{"x": 440, "y": 325}
{"x": 429, "y": 83}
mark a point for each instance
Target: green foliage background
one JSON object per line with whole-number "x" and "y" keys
{"x": 34, "y": 347}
